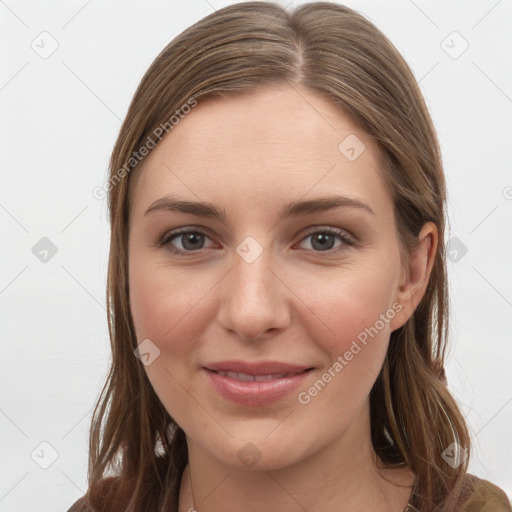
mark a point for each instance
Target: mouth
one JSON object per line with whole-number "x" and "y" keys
{"x": 245, "y": 377}
{"x": 256, "y": 369}
{"x": 255, "y": 384}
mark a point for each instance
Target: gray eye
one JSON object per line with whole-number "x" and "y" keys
{"x": 190, "y": 241}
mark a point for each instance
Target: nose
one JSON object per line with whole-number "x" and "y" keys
{"x": 255, "y": 303}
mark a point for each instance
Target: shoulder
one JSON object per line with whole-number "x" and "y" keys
{"x": 108, "y": 493}
{"x": 478, "y": 495}
{"x": 80, "y": 506}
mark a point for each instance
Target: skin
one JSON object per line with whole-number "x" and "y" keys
{"x": 295, "y": 303}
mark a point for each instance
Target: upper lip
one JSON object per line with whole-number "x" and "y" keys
{"x": 260, "y": 368}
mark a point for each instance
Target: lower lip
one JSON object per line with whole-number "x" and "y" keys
{"x": 253, "y": 393}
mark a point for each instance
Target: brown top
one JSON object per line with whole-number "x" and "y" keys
{"x": 477, "y": 495}
{"x": 482, "y": 496}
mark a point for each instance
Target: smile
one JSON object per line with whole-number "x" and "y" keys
{"x": 258, "y": 384}
{"x": 257, "y": 378}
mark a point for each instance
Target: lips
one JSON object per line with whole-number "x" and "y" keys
{"x": 261, "y": 368}
{"x": 255, "y": 384}
{"x": 253, "y": 378}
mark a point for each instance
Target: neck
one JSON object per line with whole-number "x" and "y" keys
{"x": 344, "y": 475}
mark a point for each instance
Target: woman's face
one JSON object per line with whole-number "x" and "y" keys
{"x": 296, "y": 302}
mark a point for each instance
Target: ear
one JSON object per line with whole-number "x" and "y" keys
{"x": 416, "y": 273}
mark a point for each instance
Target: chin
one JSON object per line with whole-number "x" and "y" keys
{"x": 258, "y": 452}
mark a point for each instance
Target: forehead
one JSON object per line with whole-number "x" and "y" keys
{"x": 263, "y": 149}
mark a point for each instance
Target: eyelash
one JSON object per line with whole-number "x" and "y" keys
{"x": 167, "y": 238}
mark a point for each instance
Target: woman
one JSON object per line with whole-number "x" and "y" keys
{"x": 277, "y": 280}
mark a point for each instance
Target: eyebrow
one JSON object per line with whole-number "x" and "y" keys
{"x": 293, "y": 209}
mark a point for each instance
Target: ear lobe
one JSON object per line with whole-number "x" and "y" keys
{"x": 417, "y": 273}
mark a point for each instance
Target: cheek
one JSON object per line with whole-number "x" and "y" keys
{"x": 162, "y": 303}
{"x": 354, "y": 305}
{"x": 169, "y": 311}
{"x": 358, "y": 319}
{"x": 356, "y": 312}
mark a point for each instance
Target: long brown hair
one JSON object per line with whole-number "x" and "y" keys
{"x": 137, "y": 452}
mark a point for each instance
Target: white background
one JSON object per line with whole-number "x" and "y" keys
{"x": 60, "y": 117}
